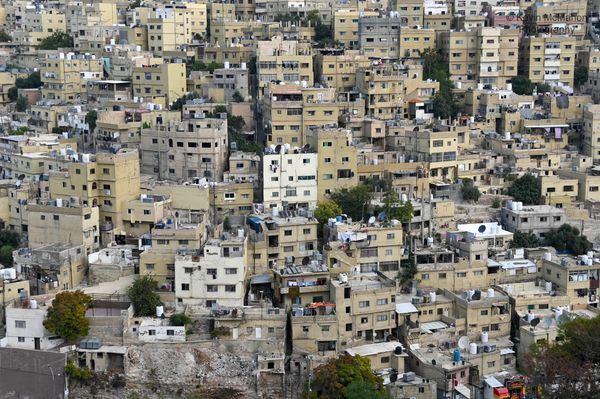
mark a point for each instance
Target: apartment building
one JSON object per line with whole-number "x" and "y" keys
{"x": 216, "y": 278}
{"x": 65, "y": 76}
{"x": 536, "y": 219}
{"x": 345, "y": 26}
{"x": 337, "y": 160}
{"x": 415, "y": 41}
{"x": 160, "y": 83}
{"x": 53, "y": 267}
{"x": 243, "y": 167}
{"x": 169, "y": 29}
{"x": 34, "y": 26}
{"x": 487, "y": 56}
{"x": 548, "y": 59}
{"x": 167, "y": 240}
{"x": 576, "y": 277}
{"x": 144, "y": 212}
{"x": 297, "y": 284}
{"x": 378, "y": 247}
{"x": 106, "y": 182}
{"x": 223, "y": 83}
{"x": 51, "y": 222}
{"x": 557, "y": 190}
{"x": 378, "y": 37}
{"x": 283, "y": 61}
{"x": 289, "y": 179}
{"x": 410, "y": 11}
{"x": 562, "y": 17}
{"x": 587, "y": 178}
{"x": 338, "y": 68}
{"x": 290, "y": 111}
{"x": 591, "y": 131}
{"x": 280, "y": 238}
{"x": 185, "y": 149}
{"x": 25, "y": 326}
{"x": 120, "y": 129}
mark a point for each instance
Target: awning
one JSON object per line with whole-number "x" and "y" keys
{"x": 506, "y": 351}
{"x": 463, "y": 390}
{"x": 434, "y": 325}
{"x": 406, "y": 308}
{"x": 501, "y": 392}
{"x": 320, "y": 304}
{"x": 544, "y": 126}
{"x": 261, "y": 279}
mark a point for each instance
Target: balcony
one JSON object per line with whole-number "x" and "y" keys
{"x": 552, "y": 76}
{"x": 552, "y": 50}
{"x": 552, "y": 62}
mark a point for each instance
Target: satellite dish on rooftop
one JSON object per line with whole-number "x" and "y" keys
{"x": 535, "y": 322}
{"x": 372, "y": 220}
{"x": 463, "y": 342}
{"x": 481, "y": 228}
{"x": 21, "y": 177}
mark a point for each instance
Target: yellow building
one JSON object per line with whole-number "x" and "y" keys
{"x": 37, "y": 26}
{"x": 337, "y": 162}
{"x": 283, "y": 60}
{"x": 548, "y": 59}
{"x": 414, "y": 41}
{"x": 65, "y": 76}
{"x": 345, "y": 26}
{"x": 160, "y": 83}
{"x": 7, "y": 80}
{"x": 338, "y": 68}
{"x": 556, "y": 189}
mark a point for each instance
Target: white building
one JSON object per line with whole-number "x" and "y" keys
{"x": 215, "y": 278}
{"x": 25, "y": 327}
{"x": 152, "y": 330}
{"x": 290, "y": 179}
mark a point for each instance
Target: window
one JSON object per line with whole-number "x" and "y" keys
{"x": 287, "y": 233}
{"x": 425, "y": 276}
{"x": 491, "y": 364}
{"x": 363, "y": 304}
{"x": 324, "y": 328}
{"x": 306, "y": 231}
{"x": 151, "y": 332}
{"x": 348, "y": 326}
{"x": 229, "y": 196}
{"x": 211, "y": 288}
{"x": 230, "y": 288}
{"x": 21, "y": 339}
{"x": 391, "y": 236}
{"x": 170, "y": 332}
{"x": 20, "y": 324}
{"x": 382, "y": 317}
{"x": 441, "y": 276}
{"x": 385, "y": 359}
{"x": 230, "y": 270}
{"x": 185, "y": 287}
{"x": 364, "y": 320}
{"x": 461, "y": 274}
{"x": 495, "y": 327}
{"x": 484, "y": 312}
{"x": 149, "y": 266}
{"x": 382, "y": 301}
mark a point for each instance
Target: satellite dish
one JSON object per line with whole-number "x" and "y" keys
{"x": 535, "y": 322}
{"x": 433, "y": 362}
{"x": 278, "y": 148}
{"x": 481, "y": 228}
{"x": 372, "y": 220}
{"x": 393, "y": 377}
{"x": 463, "y": 342}
{"x": 21, "y": 177}
{"x": 547, "y": 322}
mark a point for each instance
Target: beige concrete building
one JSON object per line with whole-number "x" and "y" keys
{"x": 575, "y": 277}
{"x": 345, "y": 26}
{"x": 7, "y": 80}
{"x": 160, "y": 83}
{"x": 52, "y": 267}
{"x": 591, "y": 131}
{"x": 283, "y": 60}
{"x": 65, "y": 76}
{"x": 336, "y": 160}
{"x": 486, "y": 56}
{"x": 548, "y": 59}
{"x": 338, "y": 69}
{"x": 181, "y": 150}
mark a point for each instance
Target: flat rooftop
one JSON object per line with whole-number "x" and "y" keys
{"x": 374, "y": 349}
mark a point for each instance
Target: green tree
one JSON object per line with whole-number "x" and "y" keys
{"x": 395, "y": 210}
{"x": 179, "y": 319}
{"x": 364, "y": 390}
{"x": 526, "y": 189}
{"x": 237, "y": 97}
{"x": 90, "y": 118}
{"x": 143, "y": 296}
{"x": 66, "y": 317}
{"x": 524, "y": 240}
{"x": 5, "y": 37}
{"x": 13, "y": 94}
{"x": 344, "y": 378}
{"x": 436, "y": 68}
{"x": 567, "y": 238}
{"x": 497, "y": 203}
{"x": 543, "y": 88}
{"x": 8, "y": 237}
{"x": 226, "y": 224}
{"x": 354, "y": 201}
{"x": 55, "y": 41}
{"x": 22, "y": 104}
{"x": 581, "y": 76}
{"x": 522, "y": 85}
{"x": 469, "y": 191}
{"x": 6, "y": 257}
{"x": 569, "y": 367}
{"x": 326, "y": 210}
{"x": 178, "y": 104}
